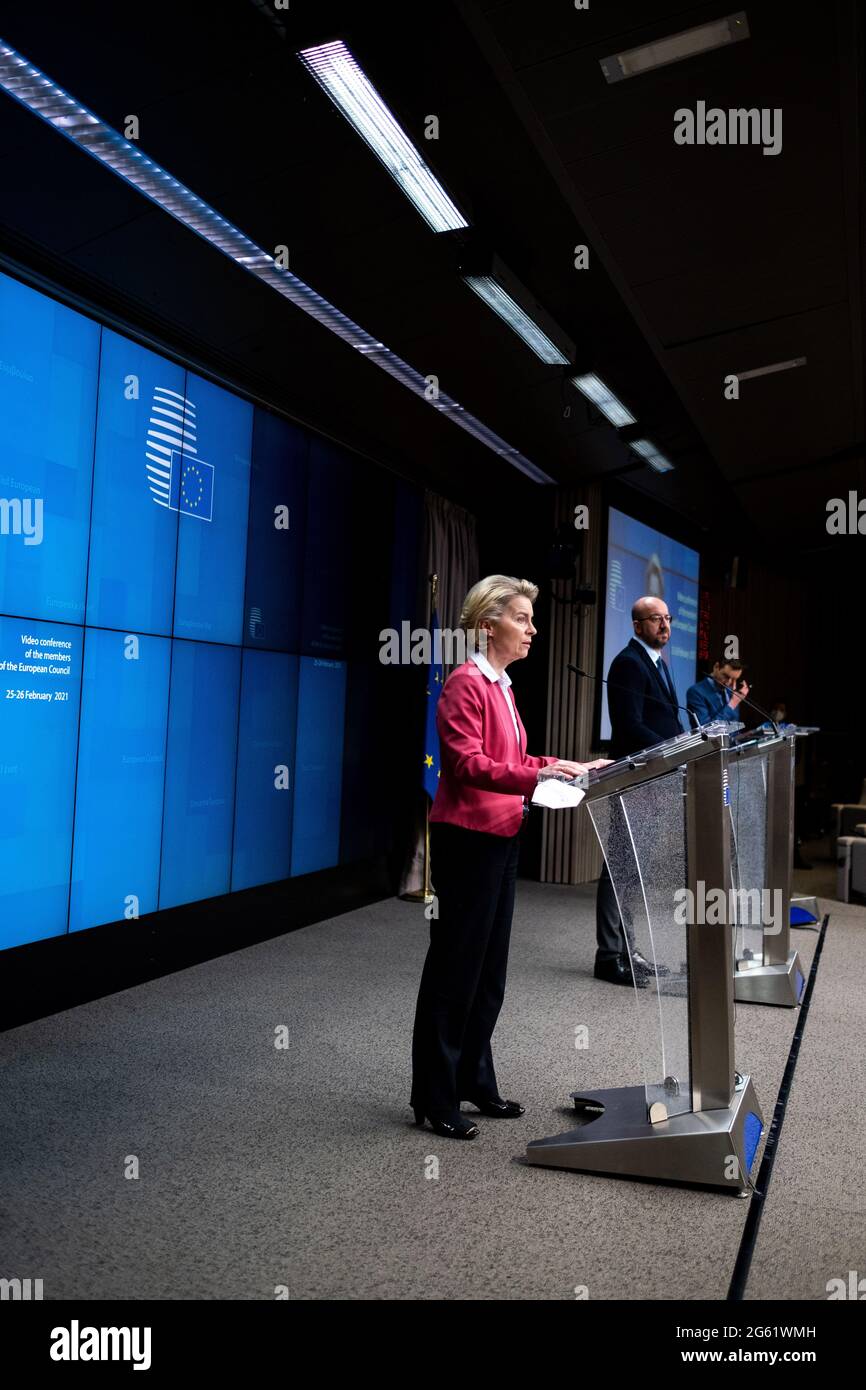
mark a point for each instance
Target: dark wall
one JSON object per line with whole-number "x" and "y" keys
{"x": 515, "y": 534}
{"x": 796, "y": 618}
{"x": 766, "y": 614}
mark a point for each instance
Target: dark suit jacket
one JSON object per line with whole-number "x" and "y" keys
{"x": 641, "y": 710}
{"x": 709, "y": 701}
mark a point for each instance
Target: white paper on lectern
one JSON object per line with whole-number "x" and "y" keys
{"x": 556, "y": 795}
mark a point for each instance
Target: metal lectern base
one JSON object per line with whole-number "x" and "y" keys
{"x": 771, "y": 984}
{"x": 699, "y": 1147}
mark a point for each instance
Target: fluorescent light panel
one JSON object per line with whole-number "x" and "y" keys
{"x": 675, "y": 47}
{"x": 339, "y": 74}
{"x": 774, "y": 367}
{"x": 601, "y": 396}
{"x": 45, "y": 99}
{"x": 652, "y": 456}
{"x": 500, "y": 301}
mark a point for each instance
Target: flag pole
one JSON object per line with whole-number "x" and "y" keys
{"x": 428, "y": 895}
{"x": 425, "y": 894}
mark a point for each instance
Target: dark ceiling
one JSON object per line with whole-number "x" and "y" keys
{"x": 704, "y": 261}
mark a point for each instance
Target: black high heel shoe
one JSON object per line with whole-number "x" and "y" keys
{"x": 463, "y": 1129}
{"x": 500, "y": 1109}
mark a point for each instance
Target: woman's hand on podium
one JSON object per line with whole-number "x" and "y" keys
{"x": 564, "y": 770}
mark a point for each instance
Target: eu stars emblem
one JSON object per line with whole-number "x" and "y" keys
{"x": 431, "y": 737}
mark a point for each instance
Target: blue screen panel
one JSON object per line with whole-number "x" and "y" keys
{"x": 318, "y": 765}
{"x": 644, "y": 562}
{"x": 266, "y": 769}
{"x": 40, "y": 681}
{"x": 275, "y": 551}
{"x": 48, "y": 369}
{"x": 133, "y": 541}
{"x": 121, "y": 770}
{"x": 328, "y": 574}
{"x": 209, "y": 484}
{"x": 200, "y": 772}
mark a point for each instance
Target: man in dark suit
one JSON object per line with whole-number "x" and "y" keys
{"x": 718, "y": 695}
{"x": 643, "y": 711}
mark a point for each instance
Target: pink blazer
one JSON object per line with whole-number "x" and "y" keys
{"x": 483, "y": 778}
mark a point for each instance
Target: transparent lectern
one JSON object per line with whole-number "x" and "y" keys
{"x": 761, "y": 776}
{"x": 663, "y": 821}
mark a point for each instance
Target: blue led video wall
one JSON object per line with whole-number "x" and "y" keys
{"x": 177, "y": 653}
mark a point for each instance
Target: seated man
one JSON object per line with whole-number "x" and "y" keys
{"x": 717, "y": 696}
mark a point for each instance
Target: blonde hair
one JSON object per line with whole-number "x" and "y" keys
{"x": 489, "y": 598}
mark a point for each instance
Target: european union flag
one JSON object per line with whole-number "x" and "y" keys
{"x": 434, "y": 690}
{"x": 191, "y": 486}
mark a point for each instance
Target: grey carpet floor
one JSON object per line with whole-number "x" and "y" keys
{"x": 814, "y": 1224}
{"x": 242, "y": 1127}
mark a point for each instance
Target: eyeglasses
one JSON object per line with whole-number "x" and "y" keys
{"x": 657, "y": 618}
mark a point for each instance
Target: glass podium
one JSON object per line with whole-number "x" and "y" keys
{"x": 804, "y": 907}
{"x": 662, "y": 818}
{"x": 761, "y": 776}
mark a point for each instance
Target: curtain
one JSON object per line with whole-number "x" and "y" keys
{"x": 451, "y": 551}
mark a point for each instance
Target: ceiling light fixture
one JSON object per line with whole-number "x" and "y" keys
{"x": 688, "y": 43}
{"x": 338, "y": 73}
{"x": 23, "y": 81}
{"x": 603, "y": 398}
{"x": 651, "y": 455}
{"x": 492, "y": 280}
{"x": 774, "y": 367}
{"x": 501, "y": 302}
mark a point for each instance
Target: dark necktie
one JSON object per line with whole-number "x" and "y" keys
{"x": 666, "y": 677}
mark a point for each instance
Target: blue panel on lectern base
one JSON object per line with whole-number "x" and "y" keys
{"x": 800, "y": 984}
{"x": 801, "y": 918}
{"x": 751, "y": 1138}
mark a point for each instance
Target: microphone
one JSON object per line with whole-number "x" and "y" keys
{"x": 744, "y": 700}
{"x": 657, "y": 698}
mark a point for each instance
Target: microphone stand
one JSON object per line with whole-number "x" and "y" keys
{"x": 744, "y": 700}
{"x": 656, "y": 698}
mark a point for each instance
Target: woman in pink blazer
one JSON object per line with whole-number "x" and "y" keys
{"x": 487, "y": 779}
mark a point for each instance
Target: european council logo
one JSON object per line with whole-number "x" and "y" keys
{"x": 177, "y": 477}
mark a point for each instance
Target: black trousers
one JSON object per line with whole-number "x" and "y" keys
{"x": 609, "y": 936}
{"x": 610, "y": 929}
{"x": 463, "y": 982}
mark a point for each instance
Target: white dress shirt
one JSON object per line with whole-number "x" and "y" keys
{"x": 665, "y": 673}
{"x": 503, "y": 681}
{"x": 655, "y": 652}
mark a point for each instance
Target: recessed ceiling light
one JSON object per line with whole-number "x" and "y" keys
{"x": 501, "y": 302}
{"x": 774, "y": 367}
{"x": 337, "y": 71}
{"x": 601, "y": 396}
{"x": 651, "y": 455}
{"x": 675, "y": 47}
